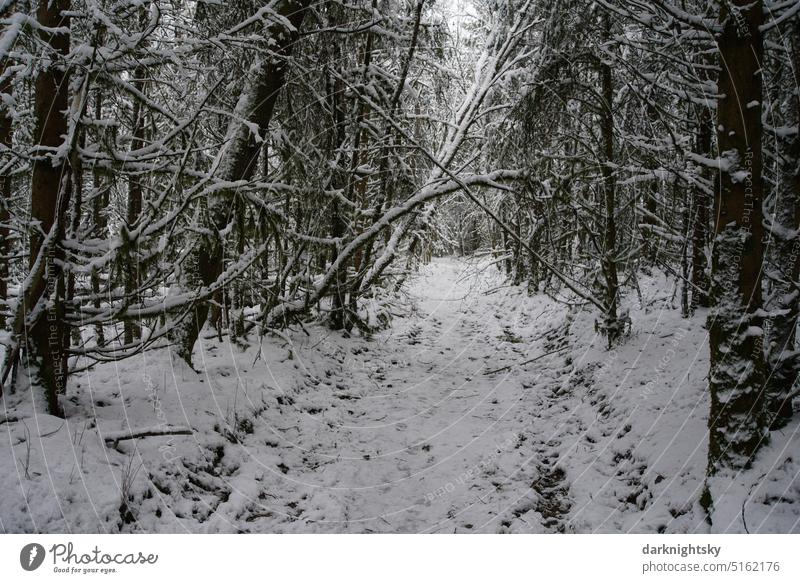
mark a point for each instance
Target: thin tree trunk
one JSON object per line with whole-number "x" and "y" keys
{"x": 338, "y": 227}
{"x": 609, "y": 265}
{"x": 357, "y": 185}
{"x": 132, "y": 329}
{"x": 99, "y": 223}
{"x": 685, "y": 213}
{"x": 76, "y": 204}
{"x": 700, "y": 227}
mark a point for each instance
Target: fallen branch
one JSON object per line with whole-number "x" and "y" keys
{"x": 157, "y": 431}
{"x": 527, "y": 361}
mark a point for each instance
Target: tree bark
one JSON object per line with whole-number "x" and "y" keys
{"x": 700, "y": 226}
{"x": 611, "y": 325}
{"x": 783, "y": 301}
{"x": 50, "y": 190}
{"x": 132, "y": 269}
{"x": 737, "y": 425}
{"x": 99, "y": 223}
{"x": 6, "y": 129}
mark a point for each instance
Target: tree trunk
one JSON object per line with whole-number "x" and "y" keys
{"x": 737, "y": 423}
{"x": 700, "y": 226}
{"x": 76, "y": 205}
{"x": 357, "y": 184}
{"x": 685, "y": 221}
{"x": 611, "y": 325}
{"x": 132, "y": 270}
{"x": 47, "y": 334}
{"x": 783, "y": 301}
{"x": 6, "y": 128}
{"x": 256, "y": 105}
{"x": 337, "y": 134}
{"x": 99, "y": 223}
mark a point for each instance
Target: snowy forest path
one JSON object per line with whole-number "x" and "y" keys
{"x": 417, "y": 437}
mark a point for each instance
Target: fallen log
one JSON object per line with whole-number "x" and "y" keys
{"x": 114, "y": 437}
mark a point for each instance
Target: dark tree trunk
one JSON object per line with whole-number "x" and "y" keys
{"x": 784, "y": 301}
{"x": 132, "y": 270}
{"x": 47, "y": 335}
{"x": 357, "y": 186}
{"x": 700, "y": 226}
{"x": 76, "y": 204}
{"x": 737, "y": 423}
{"x": 507, "y": 261}
{"x": 685, "y": 221}
{"x": 337, "y": 319}
{"x": 338, "y": 227}
{"x": 611, "y": 325}
{"x": 6, "y": 128}
{"x": 99, "y": 222}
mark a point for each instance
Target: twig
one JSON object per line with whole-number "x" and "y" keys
{"x": 527, "y": 361}
{"x": 747, "y": 499}
{"x": 48, "y": 434}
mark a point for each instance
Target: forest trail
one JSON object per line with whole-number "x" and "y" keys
{"x": 406, "y": 431}
{"x": 422, "y": 434}
{"x": 411, "y": 431}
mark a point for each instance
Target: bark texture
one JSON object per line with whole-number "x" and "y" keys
{"x": 737, "y": 422}
{"x": 43, "y": 315}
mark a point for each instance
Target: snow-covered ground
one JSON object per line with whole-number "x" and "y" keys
{"x": 409, "y": 431}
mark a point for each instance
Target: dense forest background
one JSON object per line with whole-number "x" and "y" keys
{"x": 171, "y": 170}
